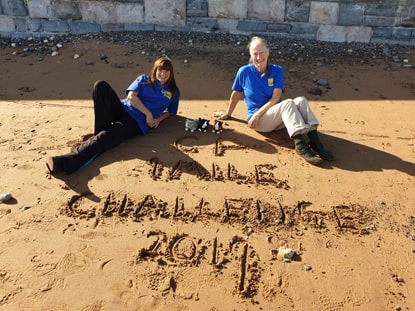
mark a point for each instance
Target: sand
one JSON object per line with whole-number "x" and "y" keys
{"x": 199, "y": 221}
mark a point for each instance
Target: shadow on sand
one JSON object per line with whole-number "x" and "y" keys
{"x": 159, "y": 143}
{"x": 350, "y": 156}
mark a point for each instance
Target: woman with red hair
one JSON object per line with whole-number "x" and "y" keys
{"x": 150, "y": 100}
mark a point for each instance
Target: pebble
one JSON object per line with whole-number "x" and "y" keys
{"x": 322, "y": 82}
{"x": 5, "y": 197}
{"x": 307, "y": 267}
{"x": 316, "y": 91}
{"x": 285, "y": 253}
{"x": 103, "y": 56}
{"x": 25, "y": 207}
{"x": 309, "y": 51}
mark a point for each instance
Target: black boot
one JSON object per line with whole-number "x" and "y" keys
{"x": 79, "y": 157}
{"x": 318, "y": 147}
{"x": 304, "y": 150}
{"x": 54, "y": 165}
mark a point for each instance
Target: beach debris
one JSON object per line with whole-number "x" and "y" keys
{"x": 217, "y": 127}
{"x": 285, "y": 253}
{"x": 25, "y": 208}
{"x": 315, "y": 91}
{"x": 5, "y": 197}
{"x": 55, "y": 53}
{"x": 102, "y": 56}
{"x": 218, "y": 114}
{"x": 322, "y": 82}
{"x": 203, "y": 125}
{"x": 307, "y": 267}
{"x": 76, "y": 56}
{"x": 397, "y": 278}
{"x": 191, "y": 125}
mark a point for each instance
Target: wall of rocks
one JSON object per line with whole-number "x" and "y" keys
{"x": 370, "y": 21}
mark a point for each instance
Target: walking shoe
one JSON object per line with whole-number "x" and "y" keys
{"x": 304, "y": 150}
{"x": 53, "y": 165}
{"x": 317, "y": 146}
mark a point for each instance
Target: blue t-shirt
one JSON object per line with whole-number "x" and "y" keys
{"x": 258, "y": 91}
{"x": 157, "y": 98}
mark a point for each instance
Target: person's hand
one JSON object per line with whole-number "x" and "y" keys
{"x": 219, "y": 115}
{"x": 156, "y": 123}
{"x": 151, "y": 122}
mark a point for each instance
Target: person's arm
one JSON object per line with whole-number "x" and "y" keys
{"x": 233, "y": 101}
{"x": 137, "y": 103}
{"x": 276, "y": 96}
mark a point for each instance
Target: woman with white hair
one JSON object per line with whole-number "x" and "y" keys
{"x": 261, "y": 84}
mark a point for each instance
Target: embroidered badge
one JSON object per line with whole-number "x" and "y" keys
{"x": 271, "y": 82}
{"x": 166, "y": 94}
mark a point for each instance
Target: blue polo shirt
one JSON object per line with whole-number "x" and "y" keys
{"x": 157, "y": 98}
{"x": 258, "y": 91}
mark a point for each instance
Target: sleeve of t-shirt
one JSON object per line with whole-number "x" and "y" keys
{"x": 279, "y": 78}
{"x": 174, "y": 105}
{"x": 137, "y": 84}
{"x": 237, "y": 83}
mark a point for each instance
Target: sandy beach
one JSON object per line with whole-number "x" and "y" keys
{"x": 200, "y": 221}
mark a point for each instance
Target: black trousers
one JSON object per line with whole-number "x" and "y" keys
{"x": 112, "y": 126}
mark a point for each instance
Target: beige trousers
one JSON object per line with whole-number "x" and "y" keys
{"x": 293, "y": 114}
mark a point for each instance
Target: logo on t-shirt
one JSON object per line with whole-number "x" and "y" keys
{"x": 270, "y": 81}
{"x": 166, "y": 94}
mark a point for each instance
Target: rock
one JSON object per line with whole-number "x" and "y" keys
{"x": 285, "y": 253}
{"x": 102, "y": 56}
{"x": 5, "y": 197}
{"x": 307, "y": 267}
{"x": 25, "y": 207}
{"x": 316, "y": 91}
{"x": 322, "y": 82}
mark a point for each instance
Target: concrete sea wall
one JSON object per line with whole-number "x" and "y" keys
{"x": 368, "y": 21}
